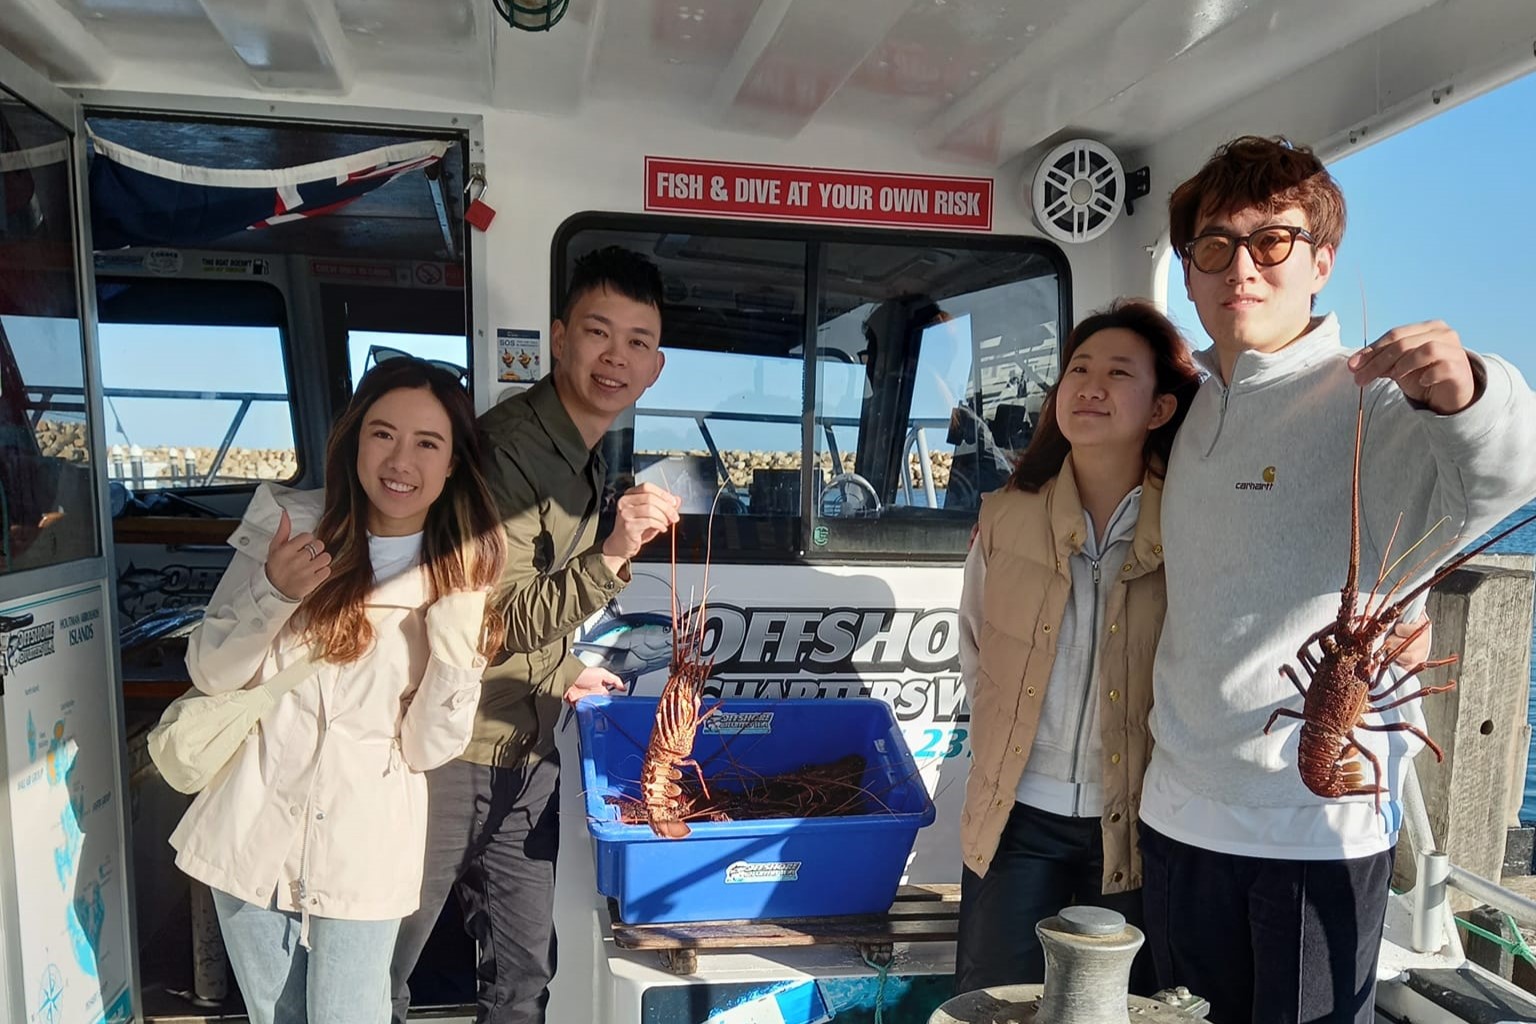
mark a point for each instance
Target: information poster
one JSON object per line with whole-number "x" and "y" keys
{"x": 65, "y": 820}
{"x": 517, "y": 356}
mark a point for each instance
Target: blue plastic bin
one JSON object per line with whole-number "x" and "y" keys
{"x": 752, "y": 870}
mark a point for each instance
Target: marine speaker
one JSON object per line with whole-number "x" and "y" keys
{"x": 1078, "y": 191}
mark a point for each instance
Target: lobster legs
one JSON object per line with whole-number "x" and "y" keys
{"x": 1339, "y": 776}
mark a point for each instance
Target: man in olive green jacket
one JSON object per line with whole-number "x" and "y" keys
{"x": 493, "y": 831}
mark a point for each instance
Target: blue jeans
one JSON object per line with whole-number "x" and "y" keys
{"x": 343, "y": 978}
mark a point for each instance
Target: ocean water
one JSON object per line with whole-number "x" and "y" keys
{"x": 1523, "y": 541}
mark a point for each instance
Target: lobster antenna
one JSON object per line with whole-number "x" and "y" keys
{"x": 1428, "y": 560}
{"x": 1461, "y": 560}
{"x": 1418, "y": 566}
{"x": 1352, "y": 581}
{"x": 674, "y": 598}
{"x": 709, "y": 547}
{"x": 1381, "y": 577}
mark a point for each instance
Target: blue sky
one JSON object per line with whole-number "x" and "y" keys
{"x": 229, "y": 359}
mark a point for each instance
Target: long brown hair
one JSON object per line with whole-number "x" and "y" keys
{"x": 462, "y": 546}
{"x": 1177, "y": 375}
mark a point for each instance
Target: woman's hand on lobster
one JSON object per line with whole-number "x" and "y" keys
{"x": 1426, "y": 360}
{"x": 296, "y": 565}
{"x": 593, "y": 682}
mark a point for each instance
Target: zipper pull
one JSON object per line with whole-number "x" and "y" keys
{"x": 1095, "y": 569}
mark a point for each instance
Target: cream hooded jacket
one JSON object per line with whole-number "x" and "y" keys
{"x": 325, "y": 805}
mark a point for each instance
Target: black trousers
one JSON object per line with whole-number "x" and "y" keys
{"x": 492, "y": 838}
{"x": 1267, "y": 941}
{"x": 1044, "y": 862}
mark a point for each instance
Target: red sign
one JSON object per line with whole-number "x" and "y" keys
{"x": 354, "y": 270}
{"x": 772, "y": 192}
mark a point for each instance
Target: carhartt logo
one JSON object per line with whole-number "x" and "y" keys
{"x": 1267, "y": 484}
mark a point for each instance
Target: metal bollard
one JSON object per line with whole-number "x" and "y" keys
{"x": 1088, "y": 954}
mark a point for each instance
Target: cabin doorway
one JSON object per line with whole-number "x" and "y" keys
{"x": 233, "y": 329}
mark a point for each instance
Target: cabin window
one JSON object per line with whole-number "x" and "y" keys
{"x": 197, "y": 385}
{"x": 380, "y": 322}
{"x": 806, "y": 367}
{"x": 932, "y": 365}
{"x": 365, "y": 349}
{"x": 48, "y": 508}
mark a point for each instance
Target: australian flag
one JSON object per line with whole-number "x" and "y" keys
{"x": 138, "y": 199}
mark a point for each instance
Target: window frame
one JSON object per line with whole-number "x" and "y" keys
{"x": 183, "y": 314}
{"x": 347, "y": 307}
{"x": 788, "y": 539}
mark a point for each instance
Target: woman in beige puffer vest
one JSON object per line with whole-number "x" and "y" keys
{"x": 1062, "y": 605}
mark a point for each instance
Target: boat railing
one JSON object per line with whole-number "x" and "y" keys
{"x": 1434, "y": 922}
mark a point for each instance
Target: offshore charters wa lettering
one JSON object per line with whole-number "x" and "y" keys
{"x": 835, "y": 640}
{"x": 909, "y": 658}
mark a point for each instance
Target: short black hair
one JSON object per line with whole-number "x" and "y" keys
{"x": 619, "y": 269}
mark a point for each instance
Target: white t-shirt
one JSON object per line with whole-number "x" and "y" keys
{"x": 392, "y": 556}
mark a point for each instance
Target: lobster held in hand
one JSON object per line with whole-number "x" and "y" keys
{"x": 670, "y": 747}
{"x": 671, "y": 743}
{"x": 1347, "y": 664}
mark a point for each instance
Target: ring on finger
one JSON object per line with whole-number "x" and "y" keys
{"x": 310, "y": 547}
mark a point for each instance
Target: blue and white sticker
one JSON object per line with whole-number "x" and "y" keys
{"x": 763, "y": 871}
{"x": 794, "y": 1002}
{"x": 739, "y": 723}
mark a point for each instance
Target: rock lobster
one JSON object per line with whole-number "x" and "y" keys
{"x": 677, "y": 720}
{"x": 1349, "y": 676}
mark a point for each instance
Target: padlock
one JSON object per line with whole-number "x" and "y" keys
{"x": 478, "y": 213}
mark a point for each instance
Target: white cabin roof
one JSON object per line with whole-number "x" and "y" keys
{"x": 970, "y": 82}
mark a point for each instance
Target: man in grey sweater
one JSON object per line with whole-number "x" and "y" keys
{"x": 1261, "y": 896}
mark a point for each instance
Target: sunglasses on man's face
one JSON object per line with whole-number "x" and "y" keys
{"x": 1270, "y": 246}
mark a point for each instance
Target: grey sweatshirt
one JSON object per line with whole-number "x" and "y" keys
{"x": 1256, "y": 532}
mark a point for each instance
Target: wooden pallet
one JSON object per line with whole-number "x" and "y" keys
{"x": 920, "y": 913}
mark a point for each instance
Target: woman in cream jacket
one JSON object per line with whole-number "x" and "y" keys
{"x": 312, "y": 837}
